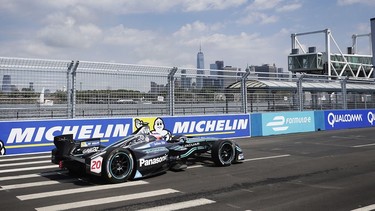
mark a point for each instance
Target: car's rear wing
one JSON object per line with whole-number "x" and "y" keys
{"x": 66, "y": 145}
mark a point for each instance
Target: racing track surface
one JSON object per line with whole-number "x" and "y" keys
{"x": 327, "y": 170}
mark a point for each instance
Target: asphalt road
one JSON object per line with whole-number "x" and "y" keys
{"x": 326, "y": 170}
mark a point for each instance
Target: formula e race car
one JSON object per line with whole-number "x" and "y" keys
{"x": 140, "y": 154}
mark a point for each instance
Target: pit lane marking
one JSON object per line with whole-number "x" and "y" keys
{"x": 250, "y": 159}
{"x": 107, "y": 200}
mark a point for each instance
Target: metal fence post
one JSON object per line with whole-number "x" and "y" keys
{"x": 244, "y": 90}
{"x": 300, "y": 92}
{"x": 171, "y": 90}
{"x": 69, "y": 90}
{"x": 344, "y": 94}
{"x": 74, "y": 89}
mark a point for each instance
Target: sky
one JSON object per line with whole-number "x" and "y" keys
{"x": 171, "y": 32}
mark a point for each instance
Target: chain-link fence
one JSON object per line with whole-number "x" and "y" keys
{"x": 48, "y": 89}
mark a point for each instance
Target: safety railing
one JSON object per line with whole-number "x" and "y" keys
{"x": 59, "y": 89}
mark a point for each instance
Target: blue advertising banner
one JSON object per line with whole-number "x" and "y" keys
{"x": 37, "y": 136}
{"x": 221, "y": 126}
{"x": 341, "y": 119}
{"x": 287, "y": 122}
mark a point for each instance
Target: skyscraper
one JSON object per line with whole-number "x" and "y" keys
{"x": 216, "y": 73}
{"x": 7, "y": 84}
{"x": 266, "y": 71}
{"x": 200, "y": 67}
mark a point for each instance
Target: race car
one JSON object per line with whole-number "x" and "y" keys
{"x": 140, "y": 154}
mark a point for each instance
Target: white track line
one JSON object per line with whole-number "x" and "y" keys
{"x": 265, "y": 158}
{"x": 367, "y": 208}
{"x": 364, "y": 145}
{"x": 28, "y": 169}
{"x": 26, "y": 176}
{"x": 181, "y": 205}
{"x": 107, "y": 200}
{"x": 24, "y": 158}
{"x": 25, "y": 163}
{"x": 34, "y": 184}
{"x": 79, "y": 190}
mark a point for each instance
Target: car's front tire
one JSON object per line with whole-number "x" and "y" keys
{"x": 118, "y": 165}
{"x": 223, "y": 152}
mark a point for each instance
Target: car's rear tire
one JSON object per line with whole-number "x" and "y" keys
{"x": 223, "y": 152}
{"x": 118, "y": 165}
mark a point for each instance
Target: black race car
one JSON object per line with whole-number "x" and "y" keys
{"x": 139, "y": 155}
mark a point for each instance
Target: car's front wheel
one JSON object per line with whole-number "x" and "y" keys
{"x": 118, "y": 165}
{"x": 223, "y": 152}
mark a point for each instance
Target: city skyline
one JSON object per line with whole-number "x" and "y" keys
{"x": 167, "y": 32}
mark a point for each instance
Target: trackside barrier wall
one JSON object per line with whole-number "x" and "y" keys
{"x": 342, "y": 119}
{"x": 287, "y": 122}
{"x": 19, "y": 137}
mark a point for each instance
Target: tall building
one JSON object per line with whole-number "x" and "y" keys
{"x": 223, "y": 76}
{"x": 7, "y": 84}
{"x": 266, "y": 71}
{"x": 31, "y": 86}
{"x": 185, "y": 81}
{"x": 216, "y": 73}
{"x": 157, "y": 88}
{"x": 200, "y": 69}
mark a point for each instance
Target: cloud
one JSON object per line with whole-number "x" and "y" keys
{"x": 121, "y": 35}
{"x": 289, "y": 7}
{"x": 257, "y": 17}
{"x": 350, "y": 2}
{"x": 204, "y": 5}
{"x": 263, "y": 4}
{"x": 197, "y": 27}
{"x": 256, "y": 11}
{"x": 130, "y": 6}
{"x": 64, "y": 31}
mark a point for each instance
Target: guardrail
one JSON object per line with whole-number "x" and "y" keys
{"x": 64, "y": 89}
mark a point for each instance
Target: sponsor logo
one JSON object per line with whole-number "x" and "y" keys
{"x": 345, "y": 118}
{"x": 210, "y": 126}
{"x": 2, "y": 148}
{"x": 37, "y": 134}
{"x": 371, "y": 117}
{"x": 158, "y": 143}
{"x": 280, "y": 123}
{"x": 192, "y": 144}
{"x": 152, "y": 161}
{"x": 90, "y": 143}
{"x": 90, "y": 150}
{"x": 153, "y": 150}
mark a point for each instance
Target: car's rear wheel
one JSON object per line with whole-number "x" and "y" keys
{"x": 223, "y": 152}
{"x": 119, "y": 165}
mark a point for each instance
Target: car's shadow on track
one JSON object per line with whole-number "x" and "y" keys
{"x": 201, "y": 160}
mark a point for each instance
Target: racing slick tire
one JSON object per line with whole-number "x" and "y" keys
{"x": 118, "y": 165}
{"x": 223, "y": 152}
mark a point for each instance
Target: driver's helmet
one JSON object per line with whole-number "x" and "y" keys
{"x": 154, "y": 136}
